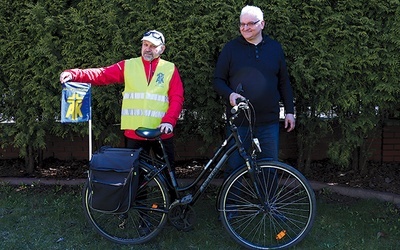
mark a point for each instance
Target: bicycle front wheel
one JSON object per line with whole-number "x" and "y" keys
{"x": 143, "y": 221}
{"x": 283, "y": 218}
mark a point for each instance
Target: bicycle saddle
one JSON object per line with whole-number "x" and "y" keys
{"x": 148, "y": 133}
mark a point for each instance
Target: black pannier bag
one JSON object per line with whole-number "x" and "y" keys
{"x": 113, "y": 179}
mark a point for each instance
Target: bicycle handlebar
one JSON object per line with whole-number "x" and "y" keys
{"x": 241, "y": 104}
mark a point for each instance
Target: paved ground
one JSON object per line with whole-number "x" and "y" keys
{"x": 348, "y": 191}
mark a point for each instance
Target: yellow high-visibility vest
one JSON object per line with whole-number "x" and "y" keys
{"x": 144, "y": 105}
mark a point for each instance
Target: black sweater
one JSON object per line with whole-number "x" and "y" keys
{"x": 261, "y": 72}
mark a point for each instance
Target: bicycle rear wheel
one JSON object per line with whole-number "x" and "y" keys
{"x": 286, "y": 215}
{"x": 143, "y": 221}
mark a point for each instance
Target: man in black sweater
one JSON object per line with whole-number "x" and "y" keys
{"x": 253, "y": 66}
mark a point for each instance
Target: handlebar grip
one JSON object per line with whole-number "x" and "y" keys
{"x": 240, "y": 104}
{"x": 239, "y": 100}
{"x": 234, "y": 110}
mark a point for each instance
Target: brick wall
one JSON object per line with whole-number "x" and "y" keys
{"x": 390, "y": 150}
{"x": 68, "y": 148}
{"x": 385, "y": 147}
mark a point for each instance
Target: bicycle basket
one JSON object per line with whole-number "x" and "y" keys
{"x": 113, "y": 179}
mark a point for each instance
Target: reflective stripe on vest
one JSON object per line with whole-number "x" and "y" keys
{"x": 144, "y": 105}
{"x": 147, "y": 96}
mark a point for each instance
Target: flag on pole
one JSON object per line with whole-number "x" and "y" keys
{"x": 76, "y": 106}
{"x": 76, "y": 102}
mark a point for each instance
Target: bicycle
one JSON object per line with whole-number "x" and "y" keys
{"x": 262, "y": 205}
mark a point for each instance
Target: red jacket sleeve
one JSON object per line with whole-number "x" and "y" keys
{"x": 100, "y": 76}
{"x": 175, "y": 97}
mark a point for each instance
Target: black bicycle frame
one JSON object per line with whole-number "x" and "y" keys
{"x": 214, "y": 165}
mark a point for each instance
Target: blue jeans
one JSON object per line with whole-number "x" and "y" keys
{"x": 268, "y": 136}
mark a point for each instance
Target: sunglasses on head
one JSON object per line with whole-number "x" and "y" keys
{"x": 154, "y": 34}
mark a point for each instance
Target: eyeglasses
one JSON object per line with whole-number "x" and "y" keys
{"x": 154, "y": 34}
{"x": 249, "y": 24}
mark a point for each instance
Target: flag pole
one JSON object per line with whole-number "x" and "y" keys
{"x": 90, "y": 133}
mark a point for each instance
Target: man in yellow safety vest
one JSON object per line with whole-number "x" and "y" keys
{"x": 153, "y": 94}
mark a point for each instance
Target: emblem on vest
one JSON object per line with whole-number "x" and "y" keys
{"x": 160, "y": 79}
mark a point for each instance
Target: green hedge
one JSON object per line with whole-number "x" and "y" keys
{"x": 343, "y": 57}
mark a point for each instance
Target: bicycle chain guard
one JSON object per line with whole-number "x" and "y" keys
{"x": 182, "y": 216}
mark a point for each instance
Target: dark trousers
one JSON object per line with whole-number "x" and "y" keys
{"x": 154, "y": 146}
{"x": 268, "y": 136}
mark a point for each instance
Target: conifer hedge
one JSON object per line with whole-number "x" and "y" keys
{"x": 343, "y": 58}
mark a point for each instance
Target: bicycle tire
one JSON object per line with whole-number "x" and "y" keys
{"x": 143, "y": 221}
{"x": 285, "y": 220}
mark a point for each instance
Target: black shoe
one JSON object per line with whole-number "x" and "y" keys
{"x": 229, "y": 215}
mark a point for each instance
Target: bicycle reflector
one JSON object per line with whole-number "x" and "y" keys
{"x": 280, "y": 235}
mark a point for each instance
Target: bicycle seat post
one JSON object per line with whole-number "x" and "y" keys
{"x": 165, "y": 156}
{"x": 171, "y": 172}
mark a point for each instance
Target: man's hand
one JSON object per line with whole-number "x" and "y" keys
{"x": 290, "y": 122}
{"x": 233, "y": 97}
{"x": 65, "y": 77}
{"x": 166, "y": 128}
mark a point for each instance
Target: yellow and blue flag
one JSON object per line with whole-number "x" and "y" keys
{"x": 76, "y": 102}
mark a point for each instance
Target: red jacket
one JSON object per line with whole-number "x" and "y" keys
{"x": 115, "y": 74}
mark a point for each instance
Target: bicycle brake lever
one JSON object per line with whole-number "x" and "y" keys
{"x": 257, "y": 144}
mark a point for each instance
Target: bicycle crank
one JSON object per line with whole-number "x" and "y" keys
{"x": 182, "y": 216}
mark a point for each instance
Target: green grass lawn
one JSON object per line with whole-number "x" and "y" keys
{"x": 51, "y": 217}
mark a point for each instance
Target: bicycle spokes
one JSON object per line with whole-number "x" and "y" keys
{"x": 282, "y": 218}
